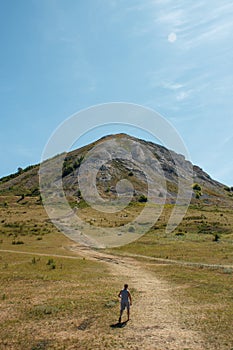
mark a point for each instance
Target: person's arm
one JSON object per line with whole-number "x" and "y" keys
{"x": 130, "y": 298}
{"x": 119, "y": 295}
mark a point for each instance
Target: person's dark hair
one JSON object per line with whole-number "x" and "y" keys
{"x": 126, "y": 286}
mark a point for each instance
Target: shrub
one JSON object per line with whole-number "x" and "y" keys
{"x": 17, "y": 242}
{"x": 67, "y": 170}
{"x": 29, "y": 167}
{"x": 179, "y": 233}
{"x": 35, "y": 192}
{"x": 216, "y": 238}
{"x": 197, "y": 190}
{"x": 78, "y": 162}
{"x": 227, "y": 189}
{"x": 142, "y": 198}
{"x": 51, "y": 264}
{"x": 196, "y": 187}
{"x": 33, "y": 260}
{"x": 79, "y": 194}
{"x": 50, "y": 261}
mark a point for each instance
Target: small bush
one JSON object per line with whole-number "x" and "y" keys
{"x": 67, "y": 170}
{"x": 79, "y": 194}
{"x": 33, "y": 260}
{"x": 196, "y": 187}
{"x": 78, "y": 162}
{"x": 17, "y": 242}
{"x": 51, "y": 264}
{"x": 35, "y": 192}
{"x": 227, "y": 189}
{"x": 198, "y": 195}
{"x": 142, "y": 198}
{"x": 180, "y": 232}
{"x": 216, "y": 238}
{"x": 197, "y": 190}
{"x": 50, "y": 261}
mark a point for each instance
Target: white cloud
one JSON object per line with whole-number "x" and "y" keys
{"x": 182, "y": 95}
{"x": 208, "y": 34}
{"x": 173, "y": 18}
{"x": 171, "y": 85}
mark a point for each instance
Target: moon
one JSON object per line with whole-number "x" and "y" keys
{"x": 172, "y": 37}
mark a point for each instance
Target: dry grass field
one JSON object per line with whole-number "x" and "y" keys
{"x": 55, "y": 294}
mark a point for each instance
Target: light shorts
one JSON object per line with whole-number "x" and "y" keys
{"x": 125, "y": 304}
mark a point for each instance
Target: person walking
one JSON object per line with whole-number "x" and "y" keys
{"x": 126, "y": 301}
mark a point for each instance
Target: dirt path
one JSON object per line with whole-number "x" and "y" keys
{"x": 155, "y": 323}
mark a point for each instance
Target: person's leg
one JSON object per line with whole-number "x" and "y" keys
{"x": 121, "y": 312}
{"x": 128, "y": 312}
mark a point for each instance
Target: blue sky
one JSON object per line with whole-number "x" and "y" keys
{"x": 61, "y": 56}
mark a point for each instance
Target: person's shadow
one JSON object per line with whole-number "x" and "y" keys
{"x": 119, "y": 324}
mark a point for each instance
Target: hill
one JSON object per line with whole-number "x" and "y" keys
{"x": 168, "y": 169}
